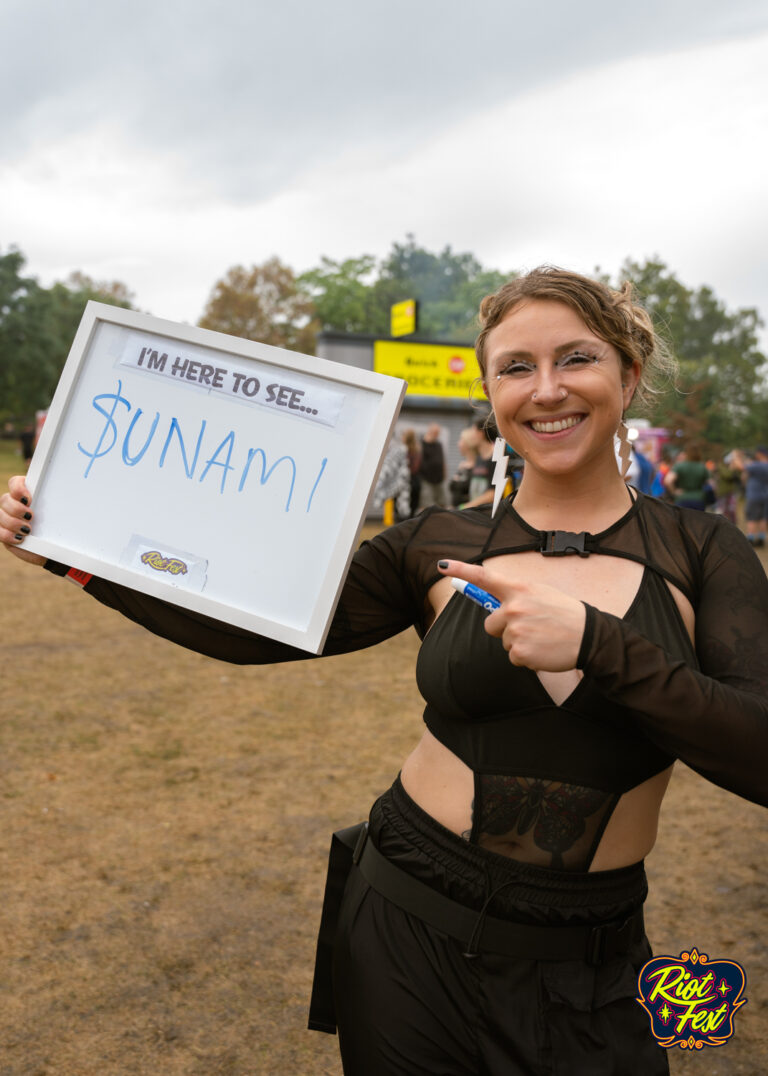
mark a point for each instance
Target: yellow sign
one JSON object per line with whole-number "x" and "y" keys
{"x": 402, "y": 318}
{"x": 429, "y": 369}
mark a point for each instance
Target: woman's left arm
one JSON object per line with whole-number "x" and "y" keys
{"x": 715, "y": 719}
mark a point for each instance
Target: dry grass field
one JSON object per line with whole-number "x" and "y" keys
{"x": 165, "y": 823}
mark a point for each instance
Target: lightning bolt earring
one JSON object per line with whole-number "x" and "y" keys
{"x": 623, "y": 448}
{"x": 499, "y": 479}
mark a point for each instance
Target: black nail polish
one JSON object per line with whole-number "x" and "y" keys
{"x": 19, "y": 537}
{"x": 27, "y": 515}
{"x": 442, "y": 564}
{"x": 24, "y": 530}
{"x": 24, "y": 500}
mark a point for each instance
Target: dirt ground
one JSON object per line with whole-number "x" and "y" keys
{"x": 165, "y": 828}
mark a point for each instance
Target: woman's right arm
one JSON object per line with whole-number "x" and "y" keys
{"x": 375, "y": 603}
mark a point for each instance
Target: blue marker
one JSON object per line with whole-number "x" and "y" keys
{"x": 475, "y": 594}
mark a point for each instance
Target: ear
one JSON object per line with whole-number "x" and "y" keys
{"x": 630, "y": 375}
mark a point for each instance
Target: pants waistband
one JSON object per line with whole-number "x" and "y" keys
{"x": 595, "y": 943}
{"x": 422, "y": 847}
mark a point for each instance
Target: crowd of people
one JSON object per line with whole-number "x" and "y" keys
{"x": 414, "y": 476}
{"x": 735, "y": 486}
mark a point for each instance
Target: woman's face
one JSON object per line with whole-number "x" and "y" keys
{"x": 558, "y": 391}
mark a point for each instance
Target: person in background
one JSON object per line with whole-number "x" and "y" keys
{"x": 688, "y": 478}
{"x": 27, "y": 439}
{"x": 755, "y": 473}
{"x": 392, "y": 493}
{"x": 644, "y": 471}
{"x": 458, "y": 486}
{"x": 658, "y": 486}
{"x": 727, "y": 482}
{"x": 481, "y": 489}
{"x": 414, "y": 463}
{"x": 432, "y": 470}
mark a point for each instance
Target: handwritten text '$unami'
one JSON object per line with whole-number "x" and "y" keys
{"x": 108, "y": 403}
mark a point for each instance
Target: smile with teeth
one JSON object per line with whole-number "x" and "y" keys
{"x": 556, "y": 425}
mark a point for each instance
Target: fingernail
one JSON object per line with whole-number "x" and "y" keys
{"x": 442, "y": 564}
{"x": 19, "y": 537}
{"x": 24, "y": 500}
{"x": 24, "y": 530}
{"x": 27, "y": 515}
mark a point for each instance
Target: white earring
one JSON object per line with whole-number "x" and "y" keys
{"x": 499, "y": 479}
{"x": 623, "y": 448}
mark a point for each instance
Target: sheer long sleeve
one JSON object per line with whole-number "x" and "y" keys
{"x": 377, "y": 601}
{"x": 716, "y": 718}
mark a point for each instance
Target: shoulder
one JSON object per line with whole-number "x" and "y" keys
{"x": 694, "y": 540}
{"x": 685, "y": 522}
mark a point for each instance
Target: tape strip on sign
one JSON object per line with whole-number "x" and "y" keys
{"x": 243, "y": 381}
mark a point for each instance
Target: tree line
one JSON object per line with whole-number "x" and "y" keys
{"x": 721, "y": 398}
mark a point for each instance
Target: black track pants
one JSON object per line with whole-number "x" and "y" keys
{"x": 409, "y": 1003}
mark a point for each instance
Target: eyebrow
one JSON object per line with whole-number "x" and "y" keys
{"x": 561, "y": 349}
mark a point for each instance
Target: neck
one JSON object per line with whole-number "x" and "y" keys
{"x": 591, "y": 501}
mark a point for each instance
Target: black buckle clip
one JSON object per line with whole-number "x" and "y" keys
{"x": 609, "y": 940}
{"x": 561, "y": 543}
{"x": 362, "y": 838}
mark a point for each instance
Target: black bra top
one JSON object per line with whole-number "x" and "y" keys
{"x": 499, "y": 718}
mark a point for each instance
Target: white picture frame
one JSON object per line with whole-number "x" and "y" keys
{"x": 235, "y": 485}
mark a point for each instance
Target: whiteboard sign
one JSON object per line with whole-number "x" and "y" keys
{"x": 224, "y": 475}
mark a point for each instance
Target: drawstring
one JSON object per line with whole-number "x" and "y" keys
{"x": 477, "y": 930}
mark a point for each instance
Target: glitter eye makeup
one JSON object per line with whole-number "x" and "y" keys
{"x": 574, "y": 360}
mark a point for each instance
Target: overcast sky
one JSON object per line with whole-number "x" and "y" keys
{"x": 160, "y": 143}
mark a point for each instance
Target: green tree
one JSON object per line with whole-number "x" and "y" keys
{"x": 721, "y": 365}
{"x": 37, "y": 326}
{"x": 262, "y": 303}
{"x": 342, "y": 294}
{"x": 356, "y": 295}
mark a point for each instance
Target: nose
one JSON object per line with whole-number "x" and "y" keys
{"x": 548, "y": 387}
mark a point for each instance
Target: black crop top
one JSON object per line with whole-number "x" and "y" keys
{"x": 547, "y": 775}
{"x": 496, "y": 716}
{"x": 645, "y": 698}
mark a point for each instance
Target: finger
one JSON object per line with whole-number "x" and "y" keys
{"x": 495, "y": 623}
{"x": 12, "y": 532}
{"x": 15, "y": 515}
{"x": 472, "y": 573}
{"x": 17, "y": 487}
{"x": 16, "y": 501}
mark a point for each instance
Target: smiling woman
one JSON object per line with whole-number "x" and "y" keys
{"x": 491, "y": 919}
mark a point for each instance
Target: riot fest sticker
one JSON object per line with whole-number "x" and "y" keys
{"x": 691, "y": 1000}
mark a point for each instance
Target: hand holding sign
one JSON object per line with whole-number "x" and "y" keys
{"x": 16, "y": 520}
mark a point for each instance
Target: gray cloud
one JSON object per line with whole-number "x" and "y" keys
{"x": 250, "y": 95}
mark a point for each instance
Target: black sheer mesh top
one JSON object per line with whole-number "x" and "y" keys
{"x": 646, "y": 696}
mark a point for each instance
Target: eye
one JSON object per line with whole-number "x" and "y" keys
{"x": 576, "y": 359}
{"x": 515, "y": 369}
